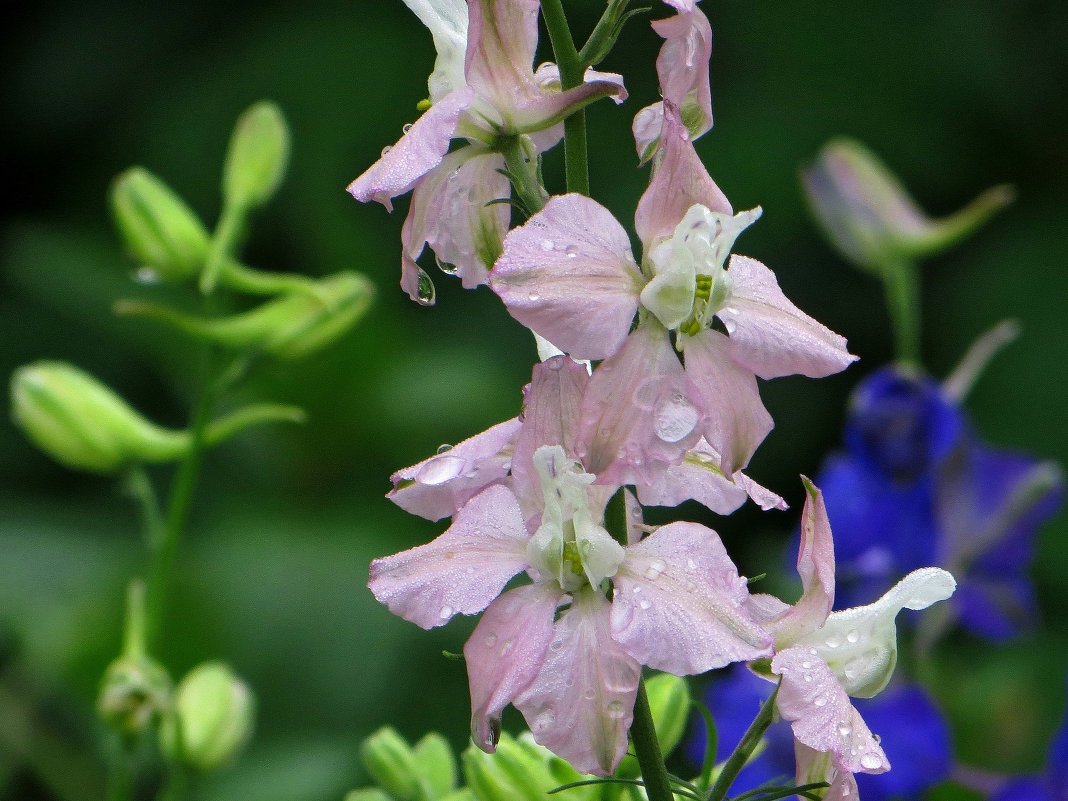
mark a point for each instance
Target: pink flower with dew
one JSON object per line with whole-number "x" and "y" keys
{"x": 569, "y": 275}
{"x": 823, "y": 657}
{"x": 483, "y": 87}
{"x": 678, "y": 603}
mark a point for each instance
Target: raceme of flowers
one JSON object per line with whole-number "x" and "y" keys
{"x": 671, "y": 412}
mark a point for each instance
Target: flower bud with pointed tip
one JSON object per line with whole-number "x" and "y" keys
{"x": 211, "y": 719}
{"x": 257, "y": 157}
{"x": 436, "y": 764}
{"x": 134, "y": 693}
{"x": 872, "y": 220}
{"x": 519, "y": 770}
{"x": 82, "y": 424}
{"x": 392, "y": 764}
{"x": 160, "y": 231}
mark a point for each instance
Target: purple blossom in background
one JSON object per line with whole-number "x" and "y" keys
{"x": 915, "y": 486}
{"x": 914, "y": 734}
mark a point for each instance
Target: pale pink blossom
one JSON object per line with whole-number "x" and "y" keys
{"x": 483, "y": 87}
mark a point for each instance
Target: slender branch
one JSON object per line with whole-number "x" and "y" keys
{"x": 647, "y": 749}
{"x": 571, "y": 73}
{"x": 744, "y": 750}
{"x": 902, "y": 286}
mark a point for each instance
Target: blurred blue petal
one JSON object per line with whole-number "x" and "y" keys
{"x": 1029, "y": 789}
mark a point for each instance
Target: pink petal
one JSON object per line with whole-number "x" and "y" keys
{"x": 682, "y": 67}
{"x": 698, "y": 477}
{"x": 581, "y": 704}
{"x": 637, "y": 418}
{"x": 568, "y": 275}
{"x": 646, "y": 127}
{"x": 438, "y": 486}
{"x": 679, "y": 604}
{"x": 550, "y": 417}
{"x": 505, "y": 653}
{"x": 815, "y": 566}
{"x": 450, "y": 212}
{"x": 462, "y": 570}
{"x": 736, "y": 421}
{"x": 419, "y": 151}
{"x": 502, "y": 36}
{"x": 682, "y": 5}
{"x": 548, "y": 107}
{"x": 679, "y": 181}
{"x": 772, "y": 337}
{"x": 761, "y": 496}
{"x": 821, "y": 714}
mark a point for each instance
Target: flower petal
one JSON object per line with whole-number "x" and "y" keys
{"x": 735, "y": 421}
{"x": 772, "y": 337}
{"x": 821, "y": 714}
{"x": 502, "y": 37}
{"x": 505, "y": 653}
{"x": 461, "y": 571}
{"x": 680, "y": 606}
{"x": 860, "y": 644}
{"x": 447, "y": 21}
{"x": 698, "y": 477}
{"x": 637, "y": 417}
{"x": 682, "y": 67}
{"x": 569, "y": 276}
{"x": 581, "y": 704}
{"x": 679, "y": 181}
{"x": 452, "y": 212}
{"x": 817, "y": 766}
{"x": 437, "y": 487}
{"x": 419, "y": 151}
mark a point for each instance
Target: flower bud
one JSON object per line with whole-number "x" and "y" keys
{"x": 133, "y": 694}
{"x": 519, "y": 770}
{"x": 161, "y": 232}
{"x": 82, "y": 424}
{"x": 870, "y": 218}
{"x": 436, "y": 764}
{"x": 392, "y": 764}
{"x": 256, "y": 160}
{"x": 211, "y": 719}
{"x": 368, "y": 794}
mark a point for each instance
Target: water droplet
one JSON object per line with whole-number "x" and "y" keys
{"x": 491, "y": 640}
{"x": 547, "y": 244}
{"x": 589, "y": 695}
{"x": 644, "y": 604}
{"x": 877, "y": 738}
{"x": 440, "y": 469}
{"x": 425, "y": 292}
{"x": 507, "y": 647}
{"x": 806, "y": 665}
{"x": 675, "y": 418}
{"x": 656, "y": 567}
{"x": 845, "y": 789}
{"x": 544, "y": 720}
{"x": 870, "y": 761}
{"x": 833, "y": 641}
{"x": 844, "y": 729}
{"x": 820, "y": 701}
{"x": 445, "y": 612}
{"x": 444, "y": 447}
{"x": 808, "y": 677}
{"x": 691, "y": 564}
{"x": 533, "y": 297}
{"x": 446, "y": 267}
{"x": 146, "y": 275}
{"x": 571, "y": 251}
{"x": 386, "y": 150}
{"x": 406, "y": 127}
{"x": 852, "y": 636}
{"x": 557, "y": 645}
{"x": 636, "y": 590}
{"x": 616, "y": 710}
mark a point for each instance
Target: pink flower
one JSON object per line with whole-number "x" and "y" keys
{"x": 569, "y": 275}
{"x": 483, "y": 87}
{"x": 823, "y": 657}
{"x": 678, "y": 603}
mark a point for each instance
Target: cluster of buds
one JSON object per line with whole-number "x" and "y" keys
{"x": 670, "y": 412}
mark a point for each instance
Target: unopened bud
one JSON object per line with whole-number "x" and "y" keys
{"x": 81, "y": 423}
{"x": 133, "y": 694}
{"x": 368, "y": 794}
{"x": 256, "y": 160}
{"x": 392, "y": 764}
{"x": 436, "y": 765}
{"x": 519, "y": 770}
{"x": 872, "y": 220}
{"x": 211, "y": 719}
{"x": 161, "y": 232}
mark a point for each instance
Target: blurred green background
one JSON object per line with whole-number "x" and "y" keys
{"x": 955, "y": 97}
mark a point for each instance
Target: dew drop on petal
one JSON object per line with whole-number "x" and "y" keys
{"x": 833, "y": 641}
{"x": 870, "y": 761}
{"x": 443, "y": 448}
{"x": 589, "y": 695}
{"x": 656, "y": 567}
{"x": 675, "y": 418}
{"x": 507, "y": 647}
{"x": 616, "y": 710}
{"x": 845, "y": 789}
{"x": 406, "y": 127}
{"x": 557, "y": 645}
{"x": 445, "y": 612}
{"x": 533, "y": 297}
{"x": 547, "y": 244}
{"x": 691, "y": 564}
{"x": 644, "y": 604}
{"x": 491, "y": 640}
{"x": 820, "y": 701}
{"x": 425, "y": 292}
{"x": 446, "y": 267}
{"x": 845, "y": 729}
{"x": 853, "y": 635}
{"x": 440, "y": 469}
{"x": 543, "y": 720}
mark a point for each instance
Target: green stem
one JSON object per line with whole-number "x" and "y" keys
{"x": 749, "y": 742}
{"x": 254, "y": 282}
{"x": 571, "y": 74}
{"x": 902, "y": 286}
{"x": 180, "y": 501}
{"x": 139, "y": 487}
{"x": 526, "y": 185}
{"x": 647, "y": 749}
{"x": 224, "y": 241}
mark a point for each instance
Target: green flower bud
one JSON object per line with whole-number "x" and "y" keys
{"x": 211, "y": 719}
{"x": 82, "y": 424}
{"x": 436, "y": 764}
{"x": 256, "y": 160}
{"x": 870, "y": 218}
{"x": 368, "y": 794}
{"x": 161, "y": 232}
{"x": 392, "y": 764}
{"x": 519, "y": 770}
{"x": 289, "y": 327}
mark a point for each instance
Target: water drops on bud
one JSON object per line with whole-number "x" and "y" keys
{"x": 159, "y": 230}
{"x": 81, "y": 423}
{"x": 211, "y": 718}
{"x": 257, "y": 157}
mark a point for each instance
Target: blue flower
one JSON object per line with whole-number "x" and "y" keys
{"x": 914, "y": 736}
{"x": 916, "y": 487}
